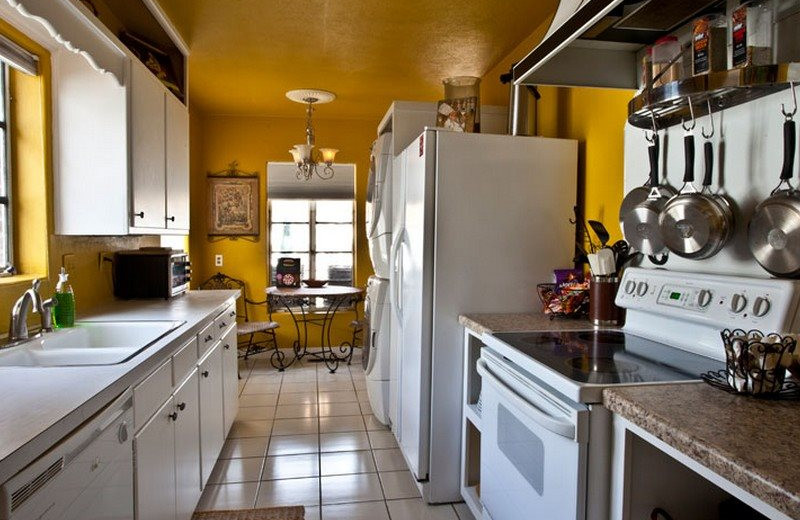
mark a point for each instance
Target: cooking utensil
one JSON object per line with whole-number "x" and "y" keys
{"x": 601, "y": 232}
{"x": 605, "y": 260}
{"x": 640, "y": 223}
{"x": 774, "y": 230}
{"x": 696, "y": 224}
{"x": 639, "y": 194}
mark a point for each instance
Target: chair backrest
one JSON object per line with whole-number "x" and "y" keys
{"x": 223, "y": 281}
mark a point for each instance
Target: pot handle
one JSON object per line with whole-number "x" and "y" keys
{"x": 653, "y": 152}
{"x": 688, "y": 150}
{"x": 789, "y": 139}
{"x": 708, "y": 150}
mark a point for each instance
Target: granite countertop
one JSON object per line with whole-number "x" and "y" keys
{"x": 40, "y": 405}
{"x": 519, "y": 322}
{"x": 750, "y": 442}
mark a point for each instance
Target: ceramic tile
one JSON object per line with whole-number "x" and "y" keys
{"x": 352, "y": 423}
{"x": 295, "y": 411}
{"x": 350, "y": 441}
{"x": 347, "y": 396}
{"x": 347, "y": 462}
{"x": 312, "y": 513}
{"x": 244, "y": 447}
{"x": 255, "y": 413}
{"x": 366, "y": 409}
{"x": 298, "y": 398}
{"x": 261, "y": 388}
{"x": 373, "y": 424}
{"x": 337, "y": 409}
{"x": 399, "y": 484}
{"x": 359, "y": 383}
{"x": 291, "y": 466}
{"x": 236, "y": 470}
{"x": 228, "y": 496}
{"x": 351, "y": 488}
{"x": 270, "y": 376}
{"x": 463, "y": 511}
{"x": 382, "y": 440}
{"x": 389, "y": 460}
{"x": 416, "y": 509}
{"x": 292, "y": 388}
{"x": 356, "y": 511}
{"x": 293, "y": 444}
{"x": 335, "y": 386}
{"x": 288, "y": 492}
{"x": 294, "y": 426}
{"x": 299, "y": 376}
{"x": 258, "y": 400}
{"x": 250, "y": 429}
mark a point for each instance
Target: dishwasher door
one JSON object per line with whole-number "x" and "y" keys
{"x": 86, "y": 476}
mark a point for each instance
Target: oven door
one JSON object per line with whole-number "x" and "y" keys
{"x": 533, "y": 448}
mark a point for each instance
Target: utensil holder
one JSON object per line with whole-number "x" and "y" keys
{"x": 602, "y": 309}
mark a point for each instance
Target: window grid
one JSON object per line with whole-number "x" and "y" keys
{"x": 6, "y": 250}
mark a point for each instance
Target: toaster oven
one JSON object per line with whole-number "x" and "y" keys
{"x": 151, "y": 272}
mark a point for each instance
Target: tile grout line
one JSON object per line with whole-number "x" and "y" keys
{"x": 269, "y": 441}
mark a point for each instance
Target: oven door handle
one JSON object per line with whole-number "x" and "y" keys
{"x": 562, "y": 428}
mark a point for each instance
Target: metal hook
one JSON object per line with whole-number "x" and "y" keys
{"x": 691, "y": 112}
{"x": 652, "y": 138}
{"x": 789, "y": 115}
{"x": 711, "y": 117}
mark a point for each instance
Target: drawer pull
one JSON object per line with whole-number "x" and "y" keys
{"x": 140, "y": 214}
{"x": 208, "y": 338}
{"x": 205, "y": 373}
{"x": 173, "y": 416}
{"x": 227, "y": 347}
{"x": 222, "y": 325}
{"x": 232, "y": 314}
{"x": 182, "y": 406}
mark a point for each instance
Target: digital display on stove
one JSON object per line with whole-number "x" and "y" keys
{"x": 609, "y": 356}
{"x": 675, "y": 296}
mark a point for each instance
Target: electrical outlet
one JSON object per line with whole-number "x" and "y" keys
{"x": 218, "y": 260}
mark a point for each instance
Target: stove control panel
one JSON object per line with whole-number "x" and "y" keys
{"x": 719, "y": 301}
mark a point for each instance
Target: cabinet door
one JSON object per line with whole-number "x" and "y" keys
{"x": 211, "y": 410}
{"x": 148, "y": 141}
{"x": 177, "y": 149}
{"x": 187, "y": 447}
{"x": 230, "y": 377}
{"x": 154, "y": 449}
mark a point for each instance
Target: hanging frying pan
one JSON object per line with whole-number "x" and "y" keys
{"x": 774, "y": 230}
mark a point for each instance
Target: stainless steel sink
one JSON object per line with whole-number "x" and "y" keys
{"x": 88, "y": 343}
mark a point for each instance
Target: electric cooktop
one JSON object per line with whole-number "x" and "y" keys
{"x": 609, "y": 356}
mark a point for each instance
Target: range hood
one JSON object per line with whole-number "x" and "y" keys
{"x": 595, "y": 42}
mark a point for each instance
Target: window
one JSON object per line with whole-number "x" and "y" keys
{"x": 5, "y": 198}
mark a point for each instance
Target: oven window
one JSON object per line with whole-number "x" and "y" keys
{"x": 521, "y": 447}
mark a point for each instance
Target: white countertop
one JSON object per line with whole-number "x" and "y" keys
{"x": 39, "y": 406}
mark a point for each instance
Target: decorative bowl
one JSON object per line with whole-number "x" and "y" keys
{"x": 315, "y": 284}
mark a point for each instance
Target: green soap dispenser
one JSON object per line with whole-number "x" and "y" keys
{"x": 64, "y": 312}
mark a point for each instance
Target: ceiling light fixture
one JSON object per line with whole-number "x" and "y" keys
{"x": 306, "y": 156}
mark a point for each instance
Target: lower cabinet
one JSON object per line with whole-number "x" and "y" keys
{"x": 212, "y": 435}
{"x": 230, "y": 377}
{"x": 154, "y": 452}
{"x": 187, "y": 447}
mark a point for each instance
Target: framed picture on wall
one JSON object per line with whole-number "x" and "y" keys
{"x": 233, "y": 206}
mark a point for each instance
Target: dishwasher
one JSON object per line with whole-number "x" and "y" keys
{"x": 88, "y": 475}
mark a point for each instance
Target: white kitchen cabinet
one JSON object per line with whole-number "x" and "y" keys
{"x": 187, "y": 447}
{"x": 230, "y": 377}
{"x": 154, "y": 450}
{"x": 177, "y": 163}
{"x": 212, "y": 435}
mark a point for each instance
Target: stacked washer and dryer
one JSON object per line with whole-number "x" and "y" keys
{"x": 377, "y": 336}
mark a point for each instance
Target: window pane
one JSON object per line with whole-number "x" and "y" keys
{"x": 289, "y": 210}
{"x": 334, "y": 211}
{"x": 3, "y": 235}
{"x": 337, "y": 268}
{"x": 334, "y": 237}
{"x": 274, "y": 263}
{"x": 3, "y": 171}
{"x": 3, "y": 94}
{"x": 289, "y": 237}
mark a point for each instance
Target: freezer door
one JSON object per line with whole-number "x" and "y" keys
{"x": 395, "y": 271}
{"x": 416, "y": 257}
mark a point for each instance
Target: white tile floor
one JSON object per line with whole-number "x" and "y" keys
{"x": 308, "y": 437}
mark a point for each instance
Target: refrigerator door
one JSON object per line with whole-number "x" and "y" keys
{"x": 395, "y": 270}
{"x": 415, "y": 252}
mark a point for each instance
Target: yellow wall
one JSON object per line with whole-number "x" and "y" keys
{"x": 38, "y": 252}
{"x": 216, "y": 140}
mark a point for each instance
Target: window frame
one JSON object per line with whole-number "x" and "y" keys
{"x": 6, "y": 173}
{"x": 312, "y": 238}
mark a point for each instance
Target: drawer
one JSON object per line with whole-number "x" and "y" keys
{"x": 184, "y": 361}
{"x": 206, "y": 339}
{"x": 229, "y": 340}
{"x": 151, "y": 393}
{"x": 226, "y": 319}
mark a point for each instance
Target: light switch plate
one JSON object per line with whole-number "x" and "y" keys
{"x": 218, "y": 260}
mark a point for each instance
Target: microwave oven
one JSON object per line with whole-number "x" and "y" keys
{"x": 151, "y": 272}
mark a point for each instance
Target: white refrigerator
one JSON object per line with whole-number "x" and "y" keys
{"x": 478, "y": 221}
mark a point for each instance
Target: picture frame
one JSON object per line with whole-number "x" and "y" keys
{"x": 233, "y": 205}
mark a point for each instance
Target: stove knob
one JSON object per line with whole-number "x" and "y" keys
{"x": 642, "y": 288}
{"x": 704, "y": 298}
{"x": 630, "y": 286}
{"x": 761, "y": 307}
{"x": 738, "y": 303}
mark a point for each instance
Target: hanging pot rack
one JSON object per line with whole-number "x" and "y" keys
{"x": 668, "y": 105}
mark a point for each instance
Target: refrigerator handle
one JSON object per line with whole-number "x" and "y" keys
{"x": 397, "y": 270}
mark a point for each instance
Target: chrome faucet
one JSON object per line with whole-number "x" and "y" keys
{"x": 18, "y": 329}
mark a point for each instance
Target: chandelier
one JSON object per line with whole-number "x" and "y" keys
{"x": 306, "y": 157}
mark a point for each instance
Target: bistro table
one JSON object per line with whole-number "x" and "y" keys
{"x": 298, "y": 301}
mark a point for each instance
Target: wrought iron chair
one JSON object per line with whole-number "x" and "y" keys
{"x": 357, "y": 326}
{"x": 247, "y": 330}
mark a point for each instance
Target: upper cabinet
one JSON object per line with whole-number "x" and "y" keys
{"x": 177, "y": 143}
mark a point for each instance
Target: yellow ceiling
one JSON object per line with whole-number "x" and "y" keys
{"x": 245, "y": 54}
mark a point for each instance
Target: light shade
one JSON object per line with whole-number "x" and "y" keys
{"x": 304, "y": 150}
{"x": 328, "y": 154}
{"x": 296, "y": 155}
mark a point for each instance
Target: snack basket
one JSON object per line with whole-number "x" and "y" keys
{"x": 568, "y": 302}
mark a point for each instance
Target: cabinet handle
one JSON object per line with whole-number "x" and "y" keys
{"x": 172, "y": 219}
{"x": 227, "y": 347}
{"x": 205, "y": 373}
{"x": 208, "y": 338}
{"x": 173, "y": 416}
{"x": 223, "y": 325}
{"x": 182, "y": 406}
{"x": 140, "y": 214}
{"x": 232, "y": 314}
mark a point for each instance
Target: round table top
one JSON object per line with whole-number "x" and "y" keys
{"x": 310, "y": 292}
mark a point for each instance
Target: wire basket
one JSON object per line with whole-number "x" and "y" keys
{"x": 755, "y": 364}
{"x": 564, "y": 303}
